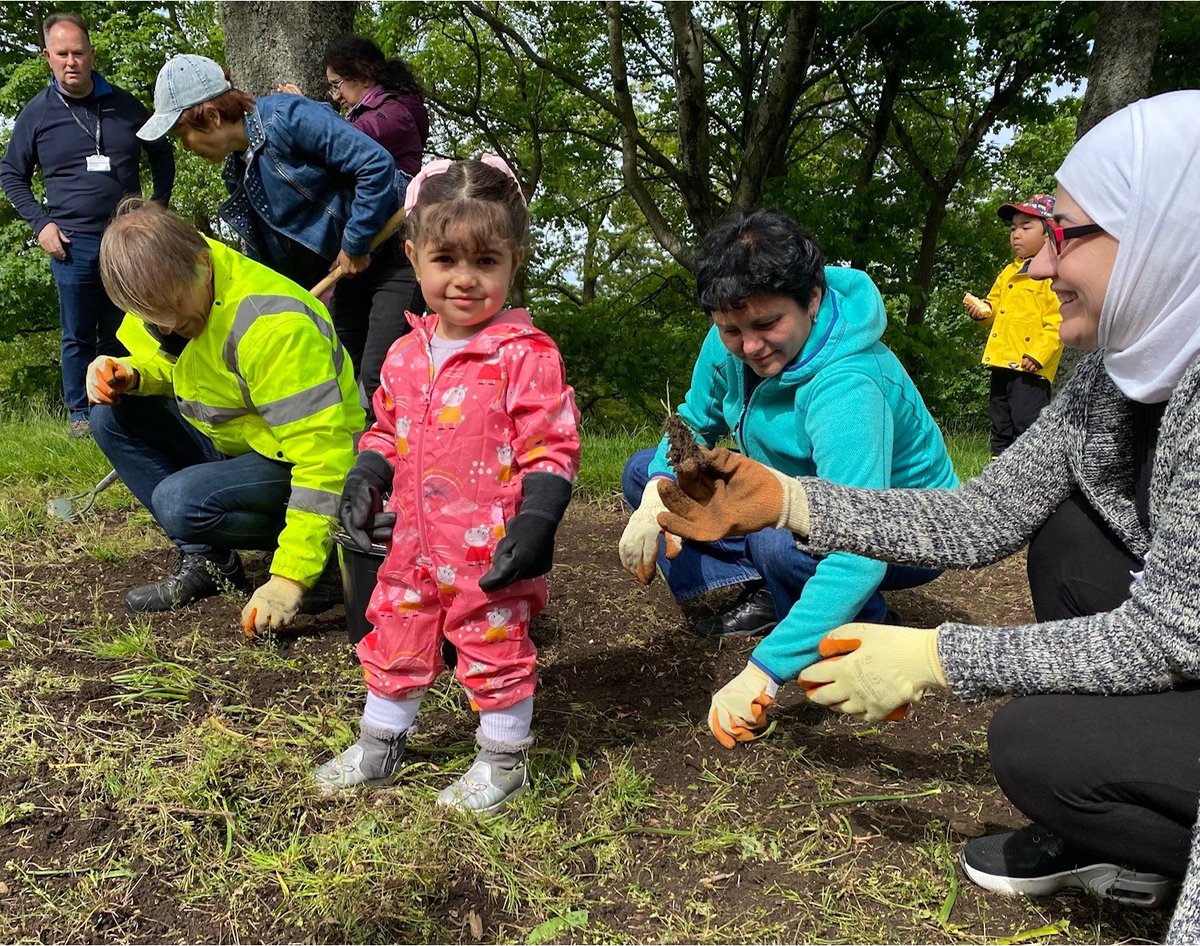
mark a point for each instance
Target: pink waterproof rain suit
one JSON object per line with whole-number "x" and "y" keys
{"x": 460, "y": 444}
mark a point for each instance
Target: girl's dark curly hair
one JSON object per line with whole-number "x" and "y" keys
{"x": 355, "y": 57}
{"x": 760, "y": 251}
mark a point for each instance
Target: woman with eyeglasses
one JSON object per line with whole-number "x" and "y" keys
{"x": 383, "y": 99}
{"x": 1102, "y": 748}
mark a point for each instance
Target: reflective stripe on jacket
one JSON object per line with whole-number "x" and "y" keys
{"x": 1025, "y": 321}
{"x": 267, "y": 374}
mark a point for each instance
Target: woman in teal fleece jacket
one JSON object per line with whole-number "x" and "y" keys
{"x": 794, "y": 369}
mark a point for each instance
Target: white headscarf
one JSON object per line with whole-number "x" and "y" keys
{"x": 1137, "y": 174}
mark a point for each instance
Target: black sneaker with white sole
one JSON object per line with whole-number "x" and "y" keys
{"x": 1036, "y": 862}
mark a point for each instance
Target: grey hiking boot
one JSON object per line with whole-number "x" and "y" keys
{"x": 193, "y": 577}
{"x": 494, "y": 779}
{"x": 373, "y": 760}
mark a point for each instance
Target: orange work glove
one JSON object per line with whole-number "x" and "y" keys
{"x": 874, "y": 670}
{"x": 730, "y": 494}
{"x": 739, "y": 709}
{"x": 108, "y": 378}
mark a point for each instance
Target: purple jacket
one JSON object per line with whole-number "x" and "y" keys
{"x": 398, "y": 122}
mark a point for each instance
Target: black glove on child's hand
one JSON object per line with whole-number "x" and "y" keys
{"x": 527, "y": 549}
{"x": 361, "y": 508}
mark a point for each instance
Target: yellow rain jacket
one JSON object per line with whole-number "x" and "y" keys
{"x": 267, "y": 374}
{"x": 1025, "y": 320}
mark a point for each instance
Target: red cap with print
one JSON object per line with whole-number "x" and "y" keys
{"x": 1039, "y": 205}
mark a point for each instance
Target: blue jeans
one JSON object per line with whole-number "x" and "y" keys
{"x": 770, "y": 556}
{"x": 205, "y": 501}
{"x": 87, "y": 317}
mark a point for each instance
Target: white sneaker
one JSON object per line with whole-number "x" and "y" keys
{"x": 373, "y": 760}
{"x": 492, "y": 781}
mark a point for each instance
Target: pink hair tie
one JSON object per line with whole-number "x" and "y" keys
{"x": 501, "y": 165}
{"x": 441, "y": 165}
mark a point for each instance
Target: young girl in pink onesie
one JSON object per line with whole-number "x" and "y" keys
{"x": 475, "y": 438}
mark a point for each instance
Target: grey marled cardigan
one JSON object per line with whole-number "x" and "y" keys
{"x": 1082, "y": 440}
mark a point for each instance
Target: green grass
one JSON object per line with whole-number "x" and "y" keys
{"x": 183, "y": 781}
{"x": 604, "y": 457}
{"x": 39, "y": 462}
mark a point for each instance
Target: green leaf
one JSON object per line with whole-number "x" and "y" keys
{"x": 556, "y": 925}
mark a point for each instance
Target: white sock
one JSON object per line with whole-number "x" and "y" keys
{"x": 382, "y": 716}
{"x": 509, "y": 726}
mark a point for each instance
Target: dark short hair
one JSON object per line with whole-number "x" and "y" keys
{"x": 760, "y": 251}
{"x": 55, "y": 18}
{"x": 357, "y": 58}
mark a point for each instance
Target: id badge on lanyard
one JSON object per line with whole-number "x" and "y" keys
{"x": 98, "y": 161}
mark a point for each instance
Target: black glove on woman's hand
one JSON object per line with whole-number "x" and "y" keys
{"x": 527, "y": 549}
{"x": 361, "y": 508}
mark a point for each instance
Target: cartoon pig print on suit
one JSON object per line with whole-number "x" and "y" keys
{"x": 504, "y": 455}
{"x": 445, "y": 579}
{"x": 451, "y": 413}
{"x": 498, "y": 628}
{"x": 476, "y": 539}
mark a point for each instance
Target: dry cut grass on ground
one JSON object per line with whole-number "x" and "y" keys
{"x": 153, "y": 785}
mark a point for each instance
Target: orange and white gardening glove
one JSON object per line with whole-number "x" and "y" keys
{"x": 108, "y": 378}
{"x": 731, "y": 494}
{"x": 739, "y": 709}
{"x": 639, "y": 542}
{"x": 272, "y": 606}
{"x": 874, "y": 670}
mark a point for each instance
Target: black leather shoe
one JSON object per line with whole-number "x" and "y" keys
{"x": 752, "y": 615}
{"x": 193, "y": 577}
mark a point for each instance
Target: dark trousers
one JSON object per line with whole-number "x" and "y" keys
{"x": 1118, "y": 776}
{"x": 769, "y": 555}
{"x": 368, "y": 312}
{"x": 1017, "y": 397}
{"x": 205, "y": 501}
{"x": 87, "y": 317}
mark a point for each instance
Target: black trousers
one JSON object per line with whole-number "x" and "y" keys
{"x": 368, "y": 311}
{"x": 1017, "y": 397}
{"x": 1118, "y": 776}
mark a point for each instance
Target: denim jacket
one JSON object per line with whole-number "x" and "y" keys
{"x": 310, "y": 176}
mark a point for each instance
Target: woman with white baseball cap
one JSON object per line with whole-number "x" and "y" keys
{"x": 308, "y": 191}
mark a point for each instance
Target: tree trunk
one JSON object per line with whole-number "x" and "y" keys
{"x": 1122, "y": 58}
{"x": 270, "y": 43}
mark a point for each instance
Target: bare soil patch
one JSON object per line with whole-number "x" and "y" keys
{"x": 624, "y": 691}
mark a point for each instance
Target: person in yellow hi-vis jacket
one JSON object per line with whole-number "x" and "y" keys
{"x": 1021, "y": 314}
{"x": 232, "y": 419}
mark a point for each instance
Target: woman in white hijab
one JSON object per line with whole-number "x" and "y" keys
{"x": 1102, "y": 749}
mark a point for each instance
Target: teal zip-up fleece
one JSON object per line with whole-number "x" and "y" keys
{"x": 844, "y": 410}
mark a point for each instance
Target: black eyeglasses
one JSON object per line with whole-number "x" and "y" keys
{"x": 1059, "y": 235}
{"x": 335, "y": 86}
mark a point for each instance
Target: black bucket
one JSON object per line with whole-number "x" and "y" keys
{"x": 360, "y": 571}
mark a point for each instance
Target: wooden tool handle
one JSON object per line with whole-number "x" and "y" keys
{"x": 392, "y": 225}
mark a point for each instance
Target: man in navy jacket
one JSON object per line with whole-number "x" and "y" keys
{"x": 81, "y": 131}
